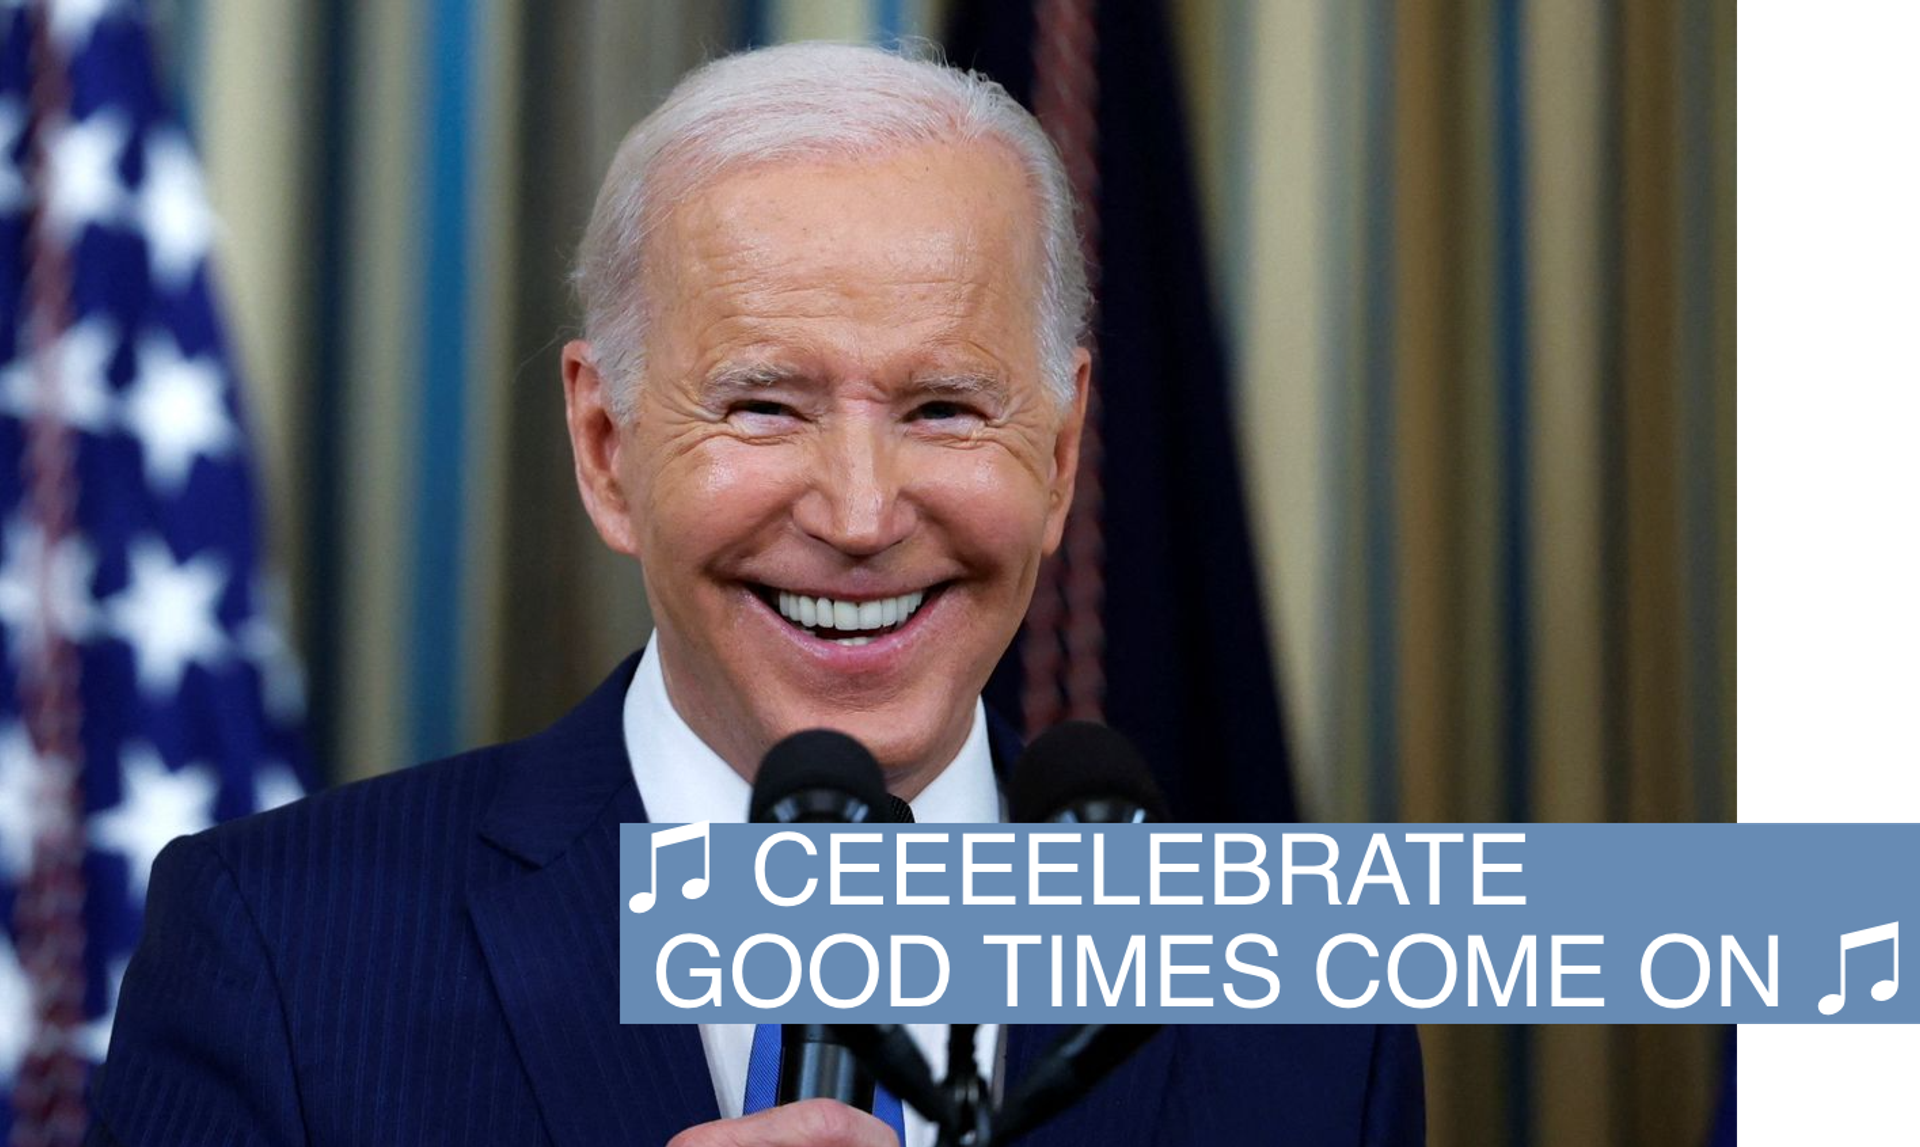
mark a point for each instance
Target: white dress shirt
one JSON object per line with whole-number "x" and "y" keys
{"x": 682, "y": 780}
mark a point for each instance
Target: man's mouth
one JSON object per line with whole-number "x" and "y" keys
{"x": 844, "y": 622}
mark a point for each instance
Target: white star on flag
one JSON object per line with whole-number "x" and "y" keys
{"x": 157, "y": 805}
{"x": 176, "y": 409}
{"x": 13, "y": 188}
{"x": 283, "y": 687}
{"x": 83, "y": 356}
{"x": 75, "y": 20}
{"x": 92, "y": 1040}
{"x": 167, "y": 614}
{"x": 26, "y": 606}
{"x": 19, "y": 785}
{"x": 173, "y": 211}
{"x": 16, "y": 1013}
{"x": 274, "y": 785}
{"x": 84, "y": 162}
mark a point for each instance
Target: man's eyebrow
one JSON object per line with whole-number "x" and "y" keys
{"x": 747, "y": 378}
{"x": 744, "y": 378}
{"x": 981, "y": 387}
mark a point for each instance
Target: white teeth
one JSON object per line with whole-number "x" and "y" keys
{"x": 860, "y": 617}
{"x": 852, "y": 641}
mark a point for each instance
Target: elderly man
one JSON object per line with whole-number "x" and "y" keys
{"x": 830, "y": 396}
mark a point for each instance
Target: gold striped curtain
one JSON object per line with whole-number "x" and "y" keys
{"x": 1478, "y": 259}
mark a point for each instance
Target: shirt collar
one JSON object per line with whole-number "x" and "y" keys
{"x": 682, "y": 780}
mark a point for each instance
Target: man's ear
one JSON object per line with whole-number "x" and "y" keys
{"x": 597, "y": 446}
{"x": 1066, "y": 450}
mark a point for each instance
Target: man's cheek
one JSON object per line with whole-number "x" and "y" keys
{"x": 1001, "y": 504}
{"x": 1001, "y": 530}
{"x": 738, "y": 477}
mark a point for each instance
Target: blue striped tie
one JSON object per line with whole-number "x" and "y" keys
{"x": 763, "y": 1083}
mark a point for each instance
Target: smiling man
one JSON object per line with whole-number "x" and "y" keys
{"x": 845, "y": 453}
{"x": 829, "y": 394}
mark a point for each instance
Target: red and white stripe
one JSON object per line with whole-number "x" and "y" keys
{"x": 49, "y": 1093}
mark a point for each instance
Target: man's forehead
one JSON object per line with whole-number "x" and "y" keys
{"x": 955, "y": 204}
{"x": 922, "y": 256}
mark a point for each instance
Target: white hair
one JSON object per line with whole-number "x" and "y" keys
{"x": 801, "y": 102}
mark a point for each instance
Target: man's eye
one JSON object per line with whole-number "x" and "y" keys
{"x": 941, "y": 411}
{"x": 763, "y": 408}
{"x": 762, "y": 416}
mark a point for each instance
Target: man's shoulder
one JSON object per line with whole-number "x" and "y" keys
{"x": 279, "y": 948}
{"x": 412, "y": 822}
{"x": 411, "y": 836}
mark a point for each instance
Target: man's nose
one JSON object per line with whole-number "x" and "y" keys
{"x": 854, "y": 502}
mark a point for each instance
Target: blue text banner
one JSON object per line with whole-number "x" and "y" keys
{"x": 1267, "y": 923}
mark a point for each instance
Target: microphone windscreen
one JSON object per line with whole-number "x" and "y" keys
{"x": 818, "y": 761}
{"x": 1076, "y": 762}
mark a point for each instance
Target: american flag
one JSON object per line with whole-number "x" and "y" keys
{"x": 145, "y": 691}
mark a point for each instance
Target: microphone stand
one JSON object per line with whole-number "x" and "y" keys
{"x": 962, "y": 1104}
{"x": 971, "y": 1124}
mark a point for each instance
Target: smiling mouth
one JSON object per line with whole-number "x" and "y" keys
{"x": 843, "y": 622}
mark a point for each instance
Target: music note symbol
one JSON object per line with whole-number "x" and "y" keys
{"x": 1848, "y": 942}
{"x": 693, "y": 889}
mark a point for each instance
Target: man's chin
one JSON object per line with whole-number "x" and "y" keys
{"x": 911, "y": 749}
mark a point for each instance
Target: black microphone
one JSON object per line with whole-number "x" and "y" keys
{"x": 897, "y": 1061}
{"x": 1080, "y": 772}
{"x": 820, "y": 777}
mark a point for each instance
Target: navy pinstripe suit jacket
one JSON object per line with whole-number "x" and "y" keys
{"x": 430, "y": 957}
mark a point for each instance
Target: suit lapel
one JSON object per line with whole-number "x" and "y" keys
{"x": 551, "y": 937}
{"x": 550, "y": 934}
